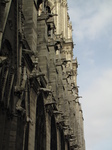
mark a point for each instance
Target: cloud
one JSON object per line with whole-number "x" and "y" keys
{"x": 90, "y": 19}
{"x": 88, "y": 56}
{"x": 97, "y": 106}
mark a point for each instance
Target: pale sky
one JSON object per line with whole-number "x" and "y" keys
{"x": 92, "y": 34}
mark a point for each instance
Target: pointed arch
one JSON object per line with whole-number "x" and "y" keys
{"x": 6, "y": 49}
{"x": 62, "y": 140}
{"x": 38, "y": 3}
{"x": 40, "y": 134}
{"x": 53, "y": 134}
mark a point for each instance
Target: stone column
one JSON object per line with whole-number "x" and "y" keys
{"x": 58, "y": 140}
{"x": 58, "y": 17}
{"x": 82, "y": 130}
{"x": 75, "y": 66}
{"x": 64, "y": 16}
{"x": 48, "y": 131}
{"x": 43, "y": 53}
{"x": 69, "y": 30}
{"x": 31, "y": 141}
{"x": 30, "y": 13}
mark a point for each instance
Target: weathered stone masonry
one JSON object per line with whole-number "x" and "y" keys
{"x": 39, "y": 101}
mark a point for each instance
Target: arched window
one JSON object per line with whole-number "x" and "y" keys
{"x": 48, "y": 9}
{"x": 62, "y": 140}
{"x": 38, "y": 3}
{"x": 53, "y": 134}
{"x": 49, "y": 30}
{"x": 40, "y": 134}
{"x": 7, "y": 74}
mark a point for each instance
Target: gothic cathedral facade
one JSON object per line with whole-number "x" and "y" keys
{"x": 39, "y": 100}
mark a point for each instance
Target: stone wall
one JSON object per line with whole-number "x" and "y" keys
{"x": 39, "y": 100}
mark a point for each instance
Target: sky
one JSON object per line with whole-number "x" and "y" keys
{"x": 92, "y": 34}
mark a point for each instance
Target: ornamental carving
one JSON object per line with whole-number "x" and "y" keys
{"x": 64, "y": 3}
